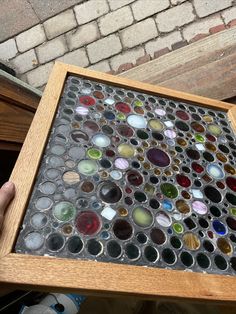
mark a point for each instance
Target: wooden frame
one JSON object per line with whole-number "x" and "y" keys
{"x": 88, "y": 277}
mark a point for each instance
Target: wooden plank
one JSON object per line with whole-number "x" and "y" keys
{"x": 17, "y": 92}
{"x": 88, "y": 276}
{"x": 15, "y": 122}
{"x": 216, "y": 79}
{"x": 173, "y": 65}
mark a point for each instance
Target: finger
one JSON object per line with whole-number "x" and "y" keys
{"x": 7, "y": 192}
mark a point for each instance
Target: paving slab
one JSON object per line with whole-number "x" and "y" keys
{"x": 47, "y": 8}
{"x": 15, "y": 17}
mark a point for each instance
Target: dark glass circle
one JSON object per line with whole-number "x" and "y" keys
{"x": 128, "y": 200}
{"x": 186, "y": 258}
{"x": 55, "y": 242}
{"x": 122, "y": 229}
{"x": 212, "y": 194}
{"x": 208, "y": 156}
{"x": 74, "y": 245}
{"x": 94, "y": 247}
{"x": 105, "y": 163}
{"x": 157, "y": 136}
{"x": 106, "y": 129}
{"x": 223, "y": 148}
{"x": 135, "y": 164}
{"x": 231, "y": 222}
{"x": 201, "y": 111}
{"x": 232, "y": 145}
{"x": 154, "y": 203}
{"x": 215, "y": 211}
{"x": 140, "y": 196}
{"x": 231, "y": 198}
{"x": 220, "y": 262}
{"x": 141, "y": 237}
{"x": 203, "y": 223}
{"x": 168, "y": 256}
{"x": 114, "y": 249}
{"x": 233, "y": 238}
{"x": 133, "y": 141}
{"x": 175, "y": 242}
{"x": 186, "y": 169}
{"x": 154, "y": 180}
{"x": 197, "y": 183}
{"x": 109, "y": 192}
{"x": 157, "y": 236}
{"x": 203, "y": 261}
{"x": 142, "y": 135}
{"x": 208, "y": 246}
{"x": 132, "y": 251}
{"x": 229, "y": 138}
{"x": 196, "y": 117}
{"x": 182, "y": 126}
{"x": 150, "y": 253}
{"x": 193, "y": 154}
{"x": 226, "y": 130}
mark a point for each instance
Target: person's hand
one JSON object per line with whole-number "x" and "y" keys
{"x": 7, "y": 193}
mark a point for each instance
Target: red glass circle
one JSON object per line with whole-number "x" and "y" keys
{"x": 183, "y": 181}
{"x": 231, "y": 182}
{"x": 197, "y": 168}
{"x": 123, "y": 107}
{"x": 87, "y": 101}
{"x": 88, "y": 223}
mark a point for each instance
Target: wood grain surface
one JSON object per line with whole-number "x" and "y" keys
{"x": 90, "y": 277}
{"x": 16, "y": 94}
{"x": 14, "y": 122}
{"x": 206, "y": 67}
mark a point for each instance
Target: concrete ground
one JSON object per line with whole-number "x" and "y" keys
{"x": 105, "y": 35}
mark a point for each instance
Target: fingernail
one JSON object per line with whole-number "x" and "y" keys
{"x": 8, "y": 186}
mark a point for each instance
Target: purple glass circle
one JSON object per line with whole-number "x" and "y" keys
{"x": 158, "y": 157}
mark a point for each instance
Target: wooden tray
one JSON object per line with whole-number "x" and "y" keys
{"x": 89, "y": 277}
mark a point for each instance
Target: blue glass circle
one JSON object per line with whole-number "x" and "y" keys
{"x": 109, "y": 115}
{"x": 219, "y": 227}
{"x": 167, "y": 205}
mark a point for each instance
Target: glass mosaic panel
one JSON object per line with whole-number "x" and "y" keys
{"x": 137, "y": 179}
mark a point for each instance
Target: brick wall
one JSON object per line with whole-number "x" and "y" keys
{"x": 114, "y": 35}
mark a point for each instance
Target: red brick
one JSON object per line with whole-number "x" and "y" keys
{"x": 232, "y": 23}
{"x": 161, "y": 52}
{"x": 217, "y": 29}
{"x": 198, "y": 37}
{"x": 143, "y": 59}
{"x": 179, "y": 44}
{"x": 125, "y": 67}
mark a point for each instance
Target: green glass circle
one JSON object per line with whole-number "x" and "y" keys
{"x": 199, "y": 138}
{"x": 64, "y": 211}
{"x": 169, "y": 190}
{"x": 94, "y": 153}
{"x": 233, "y": 211}
{"x": 178, "y": 228}
{"x": 88, "y": 167}
{"x": 120, "y": 116}
{"x": 138, "y": 103}
{"x": 142, "y": 217}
